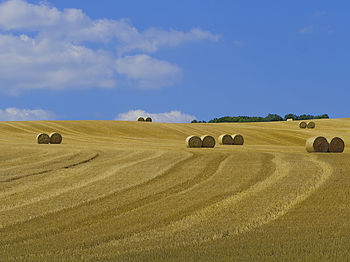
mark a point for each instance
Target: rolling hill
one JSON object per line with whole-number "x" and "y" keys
{"x": 128, "y": 191}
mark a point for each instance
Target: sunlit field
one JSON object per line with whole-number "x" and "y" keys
{"x": 132, "y": 191}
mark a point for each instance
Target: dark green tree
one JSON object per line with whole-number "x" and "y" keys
{"x": 273, "y": 117}
{"x": 289, "y": 116}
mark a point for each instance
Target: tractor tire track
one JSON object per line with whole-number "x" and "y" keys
{"x": 51, "y": 170}
{"x": 194, "y": 224}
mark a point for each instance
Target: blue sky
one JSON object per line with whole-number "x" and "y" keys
{"x": 173, "y": 60}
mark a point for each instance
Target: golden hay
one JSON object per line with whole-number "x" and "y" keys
{"x": 336, "y": 145}
{"x": 310, "y": 124}
{"x": 225, "y": 139}
{"x": 193, "y": 142}
{"x": 208, "y": 141}
{"x": 43, "y": 138}
{"x": 302, "y": 124}
{"x": 55, "y": 138}
{"x": 148, "y": 119}
{"x": 141, "y": 119}
{"x": 238, "y": 139}
{"x": 317, "y": 144}
{"x": 290, "y": 119}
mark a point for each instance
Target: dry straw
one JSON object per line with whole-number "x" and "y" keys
{"x": 290, "y": 119}
{"x": 302, "y": 124}
{"x": 55, "y": 138}
{"x": 148, "y": 119}
{"x": 141, "y": 119}
{"x": 336, "y": 145}
{"x": 238, "y": 139}
{"x": 317, "y": 144}
{"x": 225, "y": 139}
{"x": 310, "y": 124}
{"x": 43, "y": 138}
{"x": 193, "y": 142}
{"x": 208, "y": 141}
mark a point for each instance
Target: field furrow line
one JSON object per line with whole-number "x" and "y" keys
{"x": 95, "y": 221}
{"x": 17, "y": 126}
{"x": 197, "y": 230}
{"x": 59, "y": 175}
{"x": 50, "y": 170}
{"x": 279, "y": 210}
{"x": 55, "y": 215}
{"x": 162, "y": 189}
{"x": 77, "y": 185}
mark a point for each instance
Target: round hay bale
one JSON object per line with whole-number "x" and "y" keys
{"x": 141, "y": 119}
{"x": 225, "y": 139}
{"x": 336, "y": 145}
{"x": 193, "y": 142}
{"x": 148, "y": 119}
{"x": 317, "y": 144}
{"x": 302, "y": 124}
{"x": 208, "y": 141}
{"x": 55, "y": 138}
{"x": 43, "y": 138}
{"x": 238, "y": 139}
{"x": 290, "y": 119}
{"x": 310, "y": 124}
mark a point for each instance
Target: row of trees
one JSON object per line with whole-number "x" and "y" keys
{"x": 304, "y": 117}
{"x": 268, "y": 118}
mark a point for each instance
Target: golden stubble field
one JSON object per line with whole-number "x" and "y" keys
{"x": 131, "y": 191}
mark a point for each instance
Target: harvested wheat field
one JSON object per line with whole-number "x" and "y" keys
{"x": 121, "y": 191}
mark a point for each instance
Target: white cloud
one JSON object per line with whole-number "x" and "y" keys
{"x": 148, "y": 72}
{"x": 44, "y": 47}
{"x": 16, "y": 114}
{"x": 32, "y": 63}
{"x": 18, "y": 14}
{"x": 169, "y": 117}
{"x": 72, "y": 24}
{"x": 307, "y": 29}
{"x": 152, "y": 39}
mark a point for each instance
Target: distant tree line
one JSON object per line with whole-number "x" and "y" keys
{"x": 268, "y": 118}
{"x": 304, "y": 117}
{"x": 196, "y": 121}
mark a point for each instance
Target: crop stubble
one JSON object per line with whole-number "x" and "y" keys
{"x": 139, "y": 199}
